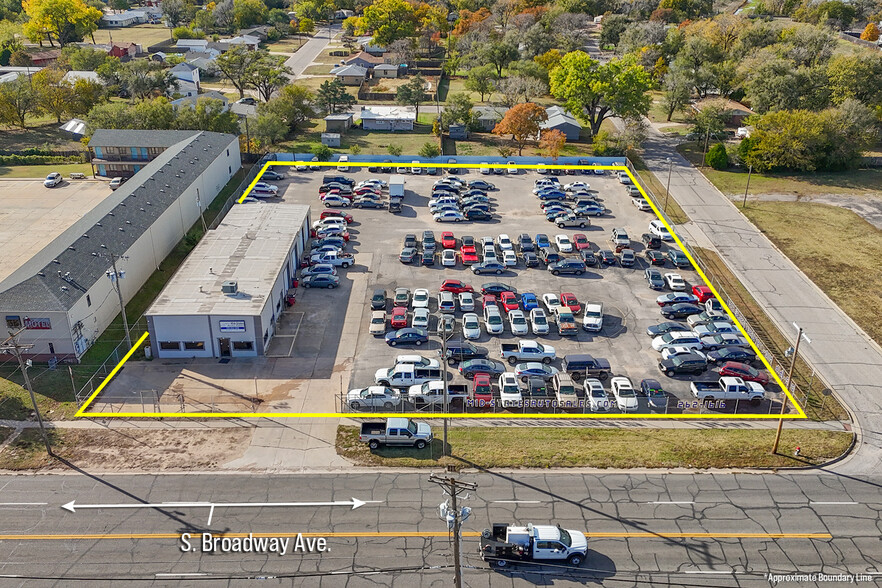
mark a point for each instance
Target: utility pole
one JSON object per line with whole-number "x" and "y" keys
{"x": 13, "y": 346}
{"x": 444, "y": 376}
{"x": 799, "y": 337}
{"x": 453, "y": 488}
{"x": 115, "y": 278}
{"x": 747, "y": 187}
{"x": 668, "y": 188}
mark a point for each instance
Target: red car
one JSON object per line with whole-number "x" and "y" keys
{"x": 509, "y": 301}
{"x": 482, "y": 389}
{"x": 455, "y": 286}
{"x": 703, "y": 293}
{"x": 569, "y": 299}
{"x": 468, "y": 254}
{"x": 581, "y": 242}
{"x": 366, "y": 190}
{"x": 745, "y": 372}
{"x": 488, "y": 299}
{"x": 399, "y": 317}
{"x": 337, "y": 192}
{"x": 334, "y": 212}
{"x": 448, "y": 241}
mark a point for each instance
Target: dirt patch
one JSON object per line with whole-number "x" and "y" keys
{"x": 127, "y": 449}
{"x": 868, "y": 207}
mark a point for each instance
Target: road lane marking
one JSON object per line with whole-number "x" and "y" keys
{"x": 831, "y": 503}
{"x": 427, "y": 534}
{"x": 516, "y": 501}
{"x": 181, "y": 575}
{"x": 23, "y": 503}
{"x": 671, "y": 502}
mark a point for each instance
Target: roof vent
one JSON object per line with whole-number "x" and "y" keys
{"x": 148, "y": 203}
{"x": 230, "y": 287}
{"x": 94, "y": 254}
{"x": 128, "y": 222}
{"x": 71, "y": 248}
{"x": 64, "y": 288}
{"x": 98, "y": 224}
{"x": 121, "y": 230}
{"x": 161, "y": 190}
{"x": 85, "y": 235}
{"x": 55, "y": 261}
{"x": 109, "y": 214}
{"x": 41, "y": 274}
{"x": 141, "y": 209}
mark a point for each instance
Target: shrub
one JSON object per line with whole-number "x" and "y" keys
{"x": 355, "y": 149}
{"x": 429, "y": 149}
{"x": 394, "y": 150}
{"x": 323, "y": 152}
{"x": 717, "y": 157}
{"x": 38, "y": 159}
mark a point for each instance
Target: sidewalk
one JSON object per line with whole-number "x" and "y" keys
{"x": 844, "y": 356}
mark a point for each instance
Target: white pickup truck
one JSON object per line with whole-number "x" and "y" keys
{"x": 527, "y": 351}
{"x": 402, "y": 375}
{"x": 505, "y": 544}
{"x": 343, "y": 260}
{"x": 729, "y": 388}
{"x": 433, "y": 393}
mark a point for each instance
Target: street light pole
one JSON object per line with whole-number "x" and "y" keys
{"x": 115, "y": 280}
{"x": 799, "y": 337}
{"x": 747, "y": 187}
{"x": 668, "y": 188}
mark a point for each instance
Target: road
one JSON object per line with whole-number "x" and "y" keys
{"x": 644, "y": 529}
{"x": 840, "y": 351}
{"x": 301, "y": 59}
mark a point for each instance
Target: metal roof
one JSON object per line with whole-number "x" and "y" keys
{"x": 58, "y": 275}
{"x": 131, "y": 138}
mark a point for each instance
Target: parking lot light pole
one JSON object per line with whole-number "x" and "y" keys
{"x": 799, "y": 337}
{"x": 443, "y": 330}
{"x": 747, "y": 187}
{"x": 668, "y": 187}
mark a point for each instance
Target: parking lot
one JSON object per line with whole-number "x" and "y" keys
{"x": 376, "y": 239}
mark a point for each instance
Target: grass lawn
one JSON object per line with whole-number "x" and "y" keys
{"x": 52, "y": 389}
{"x": 144, "y": 35}
{"x": 730, "y": 286}
{"x": 370, "y": 142}
{"x": 812, "y": 235}
{"x": 657, "y": 113}
{"x": 652, "y": 184}
{"x": 316, "y": 70}
{"x": 851, "y": 182}
{"x": 550, "y": 447}
{"x": 289, "y": 45}
{"x": 39, "y": 133}
{"x": 41, "y": 171}
{"x": 489, "y": 144}
{"x": 28, "y": 451}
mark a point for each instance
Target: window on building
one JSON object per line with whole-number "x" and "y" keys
{"x": 228, "y": 152}
{"x": 13, "y": 322}
{"x": 51, "y": 348}
{"x": 194, "y": 345}
{"x": 170, "y": 345}
{"x": 88, "y": 300}
{"x": 243, "y": 345}
{"x": 265, "y": 336}
{"x": 229, "y": 169}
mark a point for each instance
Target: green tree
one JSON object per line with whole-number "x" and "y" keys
{"x": 323, "y": 152}
{"x": 389, "y": 20}
{"x": 394, "y": 150}
{"x": 237, "y": 65}
{"x": 856, "y": 76}
{"x": 157, "y": 113}
{"x": 143, "y": 79}
{"x": 457, "y": 110}
{"x": 177, "y": 12}
{"x": 247, "y": 13}
{"x": 314, "y": 9}
{"x": 307, "y": 26}
{"x": 267, "y": 130}
{"x": 332, "y": 96}
{"x": 429, "y": 149}
{"x": 64, "y": 20}
{"x": 111, "y": 115}
{"x": 268, "y": 74}
{"x": 499, "y": 54}
{"x": 17, "y": 100}
{"x": 677, "y": 91}
{"x": 480, "y": 79}
{"x": 596, "y": 91}
{"x": 717, "y": 157}
{"x": 83, "y": 58}
{"x": 776, "y": 84}
{"x": 54, "y": 94}
{"x": 293, "y": 104}
{"x": 86, "y": 95}
{"x": 413, "y": 93}
{"x": 208, "y": 114}
{"x": 611, "y": 29}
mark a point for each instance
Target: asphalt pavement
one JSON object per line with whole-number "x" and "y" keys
{"x": 643, "y": 529}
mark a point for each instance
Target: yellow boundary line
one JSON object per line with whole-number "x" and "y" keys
{"x": 324, "y": 415}
{"x": 407, "y": 534}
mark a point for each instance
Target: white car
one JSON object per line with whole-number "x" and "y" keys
{"x": 374, "y": 183}
{"x": 341, "y": 163}
{"x": 378, "y": 323}
{"x": 471, "y": 326}
{"x": 677, "y": 338}
{"x": 623, "y": 178}
{"x": 466, "y": 301}
{"x": 334, "y": 200}
{"x": 420, "y": 318}
{"x": 626, "y": 396}
{"x": 52, "y": 180}
{"x": 264, "y": 188}
{"x": 448, "y": 216}
{"x": 658, "y": 229}
{"x": 715, "y": 328}
{"x": 512, "y": 171}
{"x": 509, "y": 392}
{"x": 493, "y": 321}
{"x": 551, "y": 302}
{"x": 539, "y": 322}
{"x": 421, "y": 298}
{"x": 518, "y": 322}
{"x": 598, "y": 401}
{"x": 641, "y": 204}
{"x": 504, "y": 242}
{"x": 417, "y": 360}
{"x": 564, "y": 245}
{"x": 574, "y": 186}
{"x": 373, "y": 396}
{"x": 509, "y": 258}
{"x": 675, "y": 282}
{"x": 415, "y": 169}
{"x": 331, "y": 221}
{"x": 593, "y": 319}
{"x": 448, "y": 258}
{"x": 676, "y": 350}
{"x": 485, "y": 168}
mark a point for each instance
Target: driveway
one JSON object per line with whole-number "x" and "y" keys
{"x": 310, "y": 50}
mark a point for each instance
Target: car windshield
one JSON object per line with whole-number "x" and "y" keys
{"x": 592, "y": 313}
{"x": 378, "y": 320}
{"x": 518, "y": 320}
{"x": 626, "y": 392}
{"x": 495, "y": 319}
{"x": 597, "y": 393}
{"x": 565, "y": 537}
{"x": 471, "y": 323}
{"x": 421, "y": 296}
{"x": 540, "y": 320}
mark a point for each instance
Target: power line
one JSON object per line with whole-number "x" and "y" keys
{"x": 453, "y": 488}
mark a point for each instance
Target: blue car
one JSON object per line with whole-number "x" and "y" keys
{"x": 552, "y": 214}
{"x": 320, "y": 281}
{"x": 551, "y": 194}
{"x": 488, "y": 267}
{"x": 471, "y": 367}
{"x": 407, "y": 337}
{"x": 542, "y": 241}
{"x": 590, "y": 210}
{"x": 529, "y": 301}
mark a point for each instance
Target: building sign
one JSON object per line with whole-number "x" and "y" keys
{"x": 232, "y": 326}
{"x": 37, "y": 324}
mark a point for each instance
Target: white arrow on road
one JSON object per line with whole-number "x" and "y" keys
{"x": 354, "y": 503}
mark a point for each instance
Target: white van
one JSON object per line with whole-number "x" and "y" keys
{"x": 344, "y": 159}
{"x": 415, "y": 170}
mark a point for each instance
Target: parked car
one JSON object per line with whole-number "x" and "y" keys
{"x": 593, "y": 319}
{"x": 55, "y": 178}
{"x": 745, "y": 372}
{"x": 407, "y": 337}
{"x": 119, "y": 181}
{"x": 687, "y": 363}
{"x": 654, "y": 278}
{"x": 569, "y": 300}
{"x": 471, "y": 326}
{"x": 399, "y": 318}
{"x": 667, "y": 327}
{"x": 568, "y": 266}
{"x": 539, "y": 321}
{"x": 654, "y": 393}
{"x": 655, "y": 257}
{"x": 679, "y": 259}
{"x": 420, "y": 319}
{"x": 598, "y": 401}
{"x": 466, "y": 301}
{"x": 402, "y": 297}
{"x": 518, "y": 322}
{"x": 373, "y": 397}
{"x": 534, "y": 369}
{"x": 675, "y": 298}
{"x": 320, "y": 281}
{"x": 471, "y": 367}
{"x": 658, "y": 229}
{"x": 497, "y": 288}
{"x": 712, "y": 342}
{"x": 703, "y": 293}
{"x": 681, "y": 310}
{"x": 525, "y": 243}
{"x": 624, "y": 393}
{"x": 737, "y": 354}
{"x": 606, "y": 257}
{"x": 378, "y": 323}
{"x": 676, "y": 283}
{"x": 488, "y": 267}
{"x": 407, "y": 255}
{"x": 627, "y": 257}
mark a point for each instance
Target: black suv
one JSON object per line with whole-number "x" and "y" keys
{"x": 582, "y": 365}
{"x": 651, "y": 241}
{"x": 691, "y": 363}
{"x": 525, "y": 243}
{"x": 378, "y": 300}
{"x": 458, "y": 351}
{"x": 339, "y": 179}
{"x": 567, "y": 266}
{"x": 548, "y": 256}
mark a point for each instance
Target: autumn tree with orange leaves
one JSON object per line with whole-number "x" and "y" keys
{"x": 522, "y": 123}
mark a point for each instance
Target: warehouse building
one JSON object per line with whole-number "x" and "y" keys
{"x": 60, "y": 288}
{"x": 228, "y": 295}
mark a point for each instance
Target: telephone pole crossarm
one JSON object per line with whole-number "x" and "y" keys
{"x": 453, "y": 488}
{"x": 11, "y": 345}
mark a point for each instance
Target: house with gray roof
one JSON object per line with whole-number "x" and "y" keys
{"x": 62, "y": 292}
{"x": 350, "y": 75}
{"x": 561, "y": 120}
{"x": 488, "y": 116}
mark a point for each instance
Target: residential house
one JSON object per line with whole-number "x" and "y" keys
{"x": 350, "y": 75}
{"x": 260, "y": 32}
{"x": 338, "y": 123}
{"x": 364, "y": 59}
{"x": 190, "y": 101}
{"x": 187, "y": 75}
{"x": 247, "y": 41}
{"x": 75, "y": 75}
{"x": 124, "y": 50}
{"x": 458, "y": 131}
{"x": 736, "y": 112}
{"x": 367, "y": 45}
{"x": 10, "y": 73}
{"x": 44, "y": 58}
{"x": 386, "y": 70}
{"x": 124, "y": 19}
{"x": 387, "y": 118}
{"x": 561, "y": 120}
{"x": 185, "y": 45}
{"x": 343, "y": 14}
{"x": 488, "y": 116}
